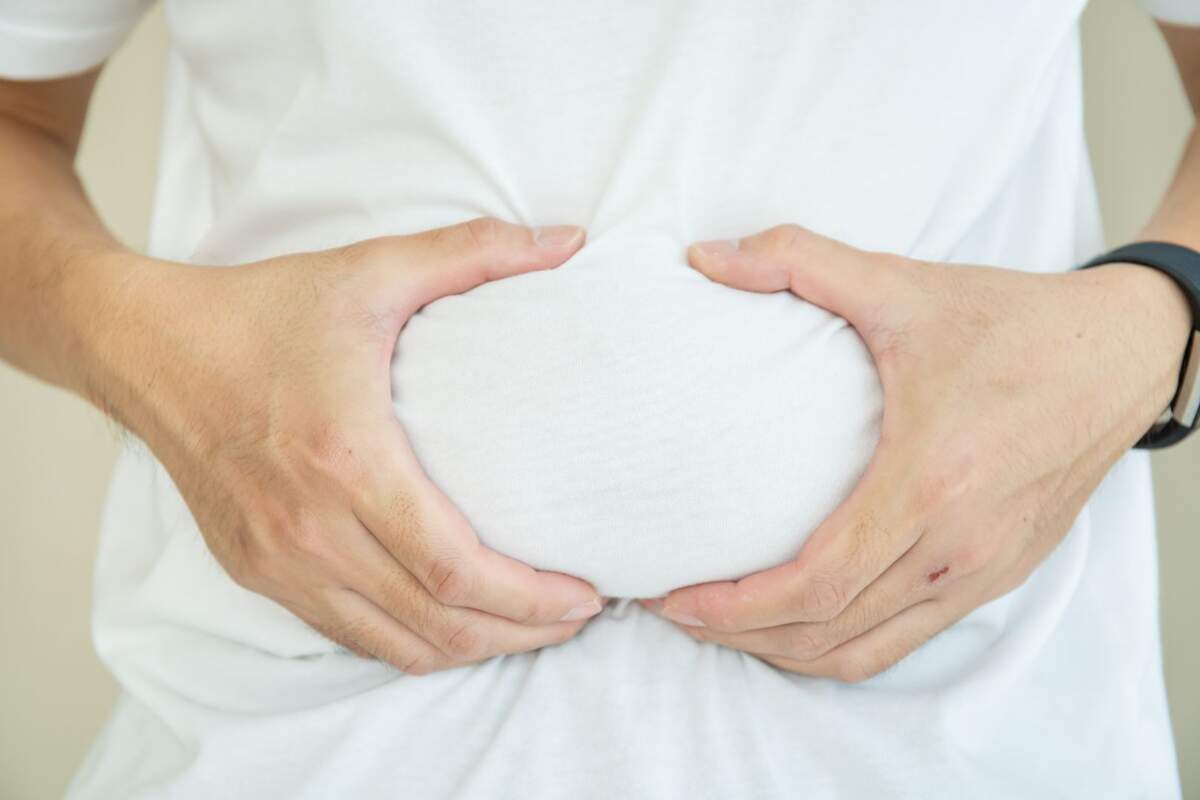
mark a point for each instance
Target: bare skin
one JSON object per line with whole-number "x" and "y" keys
{"x": 263, "y": 389}
{"x": 1007, "y": 398}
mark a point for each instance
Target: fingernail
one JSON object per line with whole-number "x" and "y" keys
{"x": 718, "y": 247}
{"x": 683, "y": 619}
{"x": 555, "y": 237}
{"x": 589, "y": 609}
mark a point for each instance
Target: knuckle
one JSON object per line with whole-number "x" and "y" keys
{"x": 859, "y": 666}
{"x": 465, "y": 643}
{"x": 484, "y": 232}
{"x": 943, "y": 484}
{"x": 449, "y": 581}
{"x": 805, "y": 645}
{"x": 853, "y": 670}
{"x": 363, "y": 255}
{"x": 424, "y": 618}
{"x": 328, "y": 455}
{"x": 280, "y": 529}
{"x": 353, "y": 633}
{"x": 527, "y": 611}
{"x": 856, "y": 666}
{"x": 363, "y": 637}
{"x": 823, "y": 598}
{"x": 358, "y": 651}
{"x": 786, "y": 664}
{"x": 973, "y": 557}
{"x": 786, "y": 237}
{"x": 307, "y": 537}
{"x": 414, "y": 664}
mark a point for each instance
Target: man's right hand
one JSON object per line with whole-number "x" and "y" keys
{"x": 266, "y": 394}
{"x": 265, "y": 391}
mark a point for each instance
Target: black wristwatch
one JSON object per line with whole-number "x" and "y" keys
{"x": 1182, "y": 264}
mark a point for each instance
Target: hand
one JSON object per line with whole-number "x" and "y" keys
{"x": 270, "y": 404}
{"x": 1007, "y": 398}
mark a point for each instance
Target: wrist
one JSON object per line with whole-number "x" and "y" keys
{"x": 1156, "y": 321}
{"x": 117, "y": 307}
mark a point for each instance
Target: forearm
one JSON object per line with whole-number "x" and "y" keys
{"x": 1158, "y": 310}
{"x": 1177, "y": 218}
{"x": 65, "y": 282}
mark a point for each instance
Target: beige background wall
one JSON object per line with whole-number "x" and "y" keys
{"x": 56, "y": 453}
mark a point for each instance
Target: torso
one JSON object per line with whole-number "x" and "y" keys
{"x": 620, "y": 418}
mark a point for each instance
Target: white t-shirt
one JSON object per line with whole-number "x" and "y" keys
{"x": 621, "y": 418}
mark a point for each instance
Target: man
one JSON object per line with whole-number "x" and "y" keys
{"x": 616, "y": 417}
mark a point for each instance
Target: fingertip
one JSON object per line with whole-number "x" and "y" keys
{"x": 657, "y": 605}
{"x": 559, "y": 238}
{"x": 583, "y": 611}
{"x": 682, "y": 617}
{"x": 678, "y": 606}
{"x": 552, "y": 634}
{"x": 565, "y": 598}
{"x": 651, "y": 604}
{"x": 708, "y": 257}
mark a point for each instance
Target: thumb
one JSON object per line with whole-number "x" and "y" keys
{"x": 852, "y": 283}
{"x": 454, "y": 259}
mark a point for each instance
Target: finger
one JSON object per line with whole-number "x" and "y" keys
{"x": 914, "y": 578}
{"x": 865, "y": 535}
{"x": 461, "y": 634}
{"x": 357, "y": 624}
{"x": 422, "y": 529}
{"x": 457, "y": 258}
{"x": 851, "y": 283}
{"x": 882, "y": 647}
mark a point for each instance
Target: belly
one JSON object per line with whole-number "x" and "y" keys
{"x": 625, "y": 420}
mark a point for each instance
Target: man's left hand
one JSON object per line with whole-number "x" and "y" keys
{"x": 1008, "y": 395}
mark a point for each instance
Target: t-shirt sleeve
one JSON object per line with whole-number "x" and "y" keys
{"x": 1178, "y": 12}
{"x": 53, "y": 38}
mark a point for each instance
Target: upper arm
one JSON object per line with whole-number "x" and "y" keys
{"x": 50, "y": 54}
{"x": 1179, "y": 21}
{"x": 55, "y": 108}
{"x": 1184, "y": 42}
